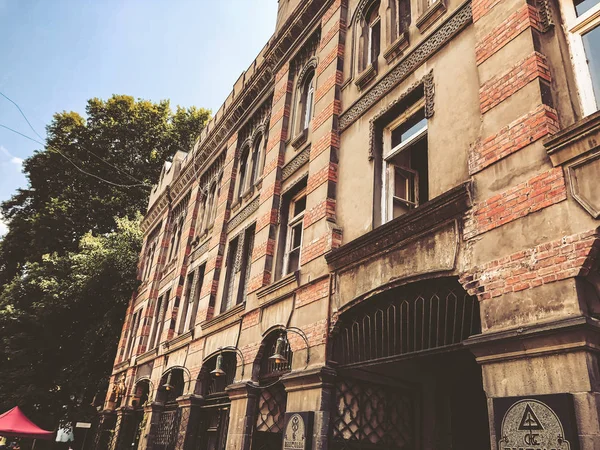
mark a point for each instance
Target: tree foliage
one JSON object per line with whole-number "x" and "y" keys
{"x": 68, "y": 262}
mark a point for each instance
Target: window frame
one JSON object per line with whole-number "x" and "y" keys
{"x": 389, "y": 168}
{"x": 291, "y": 224}
{"x": 309, "y": 100}
{"x": 575, "y": 28}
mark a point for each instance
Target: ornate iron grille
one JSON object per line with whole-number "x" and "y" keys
{"x": 212, "y": 431}
{"x": 268, "y": 367}
{"x": 126, "y": 426}
{"x": 410, "y": 319}
{"x": 373, "y": 416}
{"x": 182, "y": 424}
{"x": 167, "y": 430}
{"x": 271, "y": 409}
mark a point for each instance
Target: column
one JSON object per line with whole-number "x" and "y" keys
{"x": 242, "y": 415}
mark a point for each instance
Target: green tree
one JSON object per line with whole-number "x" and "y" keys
{"x": 68, "y": 262}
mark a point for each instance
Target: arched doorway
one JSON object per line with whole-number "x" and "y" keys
{"x": 172, "y": 385}
{"x": 405, "y": 379}
{"x": 272, "y": 397}
{"x": 218, "y": 372}
{"x": 134, "y": 430}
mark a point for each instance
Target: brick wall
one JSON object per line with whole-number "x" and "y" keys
{"x": 533, "y": 195}
{"x": 560, "y": 259}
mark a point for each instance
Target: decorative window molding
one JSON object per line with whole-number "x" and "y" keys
{"x": 396, "y": 48}
{"x": 429, "y": 93}
{"x": 246, "y": 212}
{"x": 457, "y": 22}
{"x": 299, "y": 160}
{"x": 366, "y": 76}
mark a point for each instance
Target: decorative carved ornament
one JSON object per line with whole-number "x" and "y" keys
{"x": 429, "y": 93}
{"x": 462, "y": 17}
{"x": 299, "y": 160}
{"x": 246, "y": 212}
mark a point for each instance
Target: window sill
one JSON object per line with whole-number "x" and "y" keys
{"x": 300, "y": 139}
{"x": 280, "y": 288}
{"x": 431, "y": 15}
{"x": 179, "y": 341}
{"x": 231, "y": 312}
{"x": 396, "y": 48}
{"x": 145, "y": 357}
{"x": 366, "y": 76}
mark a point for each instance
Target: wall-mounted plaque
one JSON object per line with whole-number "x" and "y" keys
{"x": 297, "y": 432}
{"x": 536, "y": 422}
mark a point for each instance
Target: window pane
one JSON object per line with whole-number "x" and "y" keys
{"x": 400, "y": 185}
{"x": 591, "y": 42}
{"x": 581, "y": 7}
{"x": 409, "y": 128}
{"x": 299, "y": 205}
{"x": 293, "y": 261}
{"x": 297, "y": 235}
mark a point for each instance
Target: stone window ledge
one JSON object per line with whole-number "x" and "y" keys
{"x": 444, "y": 207}
{"x": 179, "y": 341}
{"x": 396, "y": 48}
{"x": 366, "y": 76}
{"x": 572, "y": 142}
{"x": 231, "y": 312}
{"x": 431, "y": 15}
{"x": 300, "y": 139}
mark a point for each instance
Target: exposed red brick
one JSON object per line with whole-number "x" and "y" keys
{"x": 333, "y": 109}
{"x": 544, "y": 190}
{"x": 266, "y": 248}
{"x": 327, "y": 173}
{"x": 324, "y": 210}
{"x": 269, "y": 218}
{"x": 481, "y": 7}
{"x": 333, "y": 9}
{"x": 312, "y": 292}
{"x": 513, "y": 137}
{"x": 282, "y": 112}
{"x": 282, "y": 90}
{"x": 330, "y": 140}
{"x": 250, "y": 319}
{"x": 499, "y": 88}
{"x": 337, "y": 51}
{"x": 525, "y": 17}
{"x": 259, "y": 281}
{"x": 334, "y": 30}
{"x": 335, "y": 79}
{"x": 269, "y": 191}
{"x": 568, "y": 257}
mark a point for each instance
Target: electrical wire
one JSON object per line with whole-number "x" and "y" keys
{"x": 55, "y": 150}
{"x": 89, "y": 151}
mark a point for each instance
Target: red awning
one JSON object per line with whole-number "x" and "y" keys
{"x": 14, "y": 423}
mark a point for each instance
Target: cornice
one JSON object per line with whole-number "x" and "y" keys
{"x": 255, "y": 89}
{"x": 442, "y": 208}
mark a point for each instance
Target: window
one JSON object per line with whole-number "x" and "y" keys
{"x": 258, "y": 159}
{"x": 291, "y": 230}
{"x": 133, "y": 329}
{"x": 405, "y": 161}
{"x": 176, "y": 239}
{"x": 245, "y": 172}
{"x": 147, "y": 269}
{"x": 307, "y": 99}
{"x": 239, "y": 262}
{"x": 187, "y": 299}
{"x": 582, "y": 21}
{"x": 160, "y": 314}
{"x": 374, "y": 41}
{"x": 193, "y": 307}
{"x": 404, "y": 16}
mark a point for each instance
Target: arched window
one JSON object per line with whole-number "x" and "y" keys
{"x": 370, "y": 37}
{"x": 208, "y": 205}
{"x": 305, "y": 101}
{"x": 244, "y": 172}
{"x": 258, "y": 158}
{"x": 215, "y": 201}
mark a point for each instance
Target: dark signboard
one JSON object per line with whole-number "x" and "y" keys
{"x": 297, "y": 432}
{"x": 538, "y": 422}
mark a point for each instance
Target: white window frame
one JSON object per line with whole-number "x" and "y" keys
{"x": 310, "y": 98}
{"x": 292, "y": 222}
{"x": 370, "y": 46}
{"x": 388, "y": 176}
{"x": 575, "y": 27}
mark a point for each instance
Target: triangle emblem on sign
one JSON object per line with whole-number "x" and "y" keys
{"x": 530, "y": 422}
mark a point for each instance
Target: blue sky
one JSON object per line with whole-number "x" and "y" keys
{"x": 56, "y": 54}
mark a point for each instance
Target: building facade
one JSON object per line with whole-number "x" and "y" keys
{"x": 386, "y": 238}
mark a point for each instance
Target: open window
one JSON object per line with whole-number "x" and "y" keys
{"x": 405, "y": 163}
{"x": 582, "y": 22}
{"x": 374, "y": 34}
{"x": 239, "y": 264}
{"x": 258, "y": 158}
{"x": 244, "y": 172}
{"x": 291, "y": 229}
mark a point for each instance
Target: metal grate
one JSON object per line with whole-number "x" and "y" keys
{"x": 373, "y": 416}
{"x": 271, "y": 409}
{"x": 406, "y": 320}
{"x": 167, "y": 430}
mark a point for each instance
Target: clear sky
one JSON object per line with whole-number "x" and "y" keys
{"x": 56, "y": 54}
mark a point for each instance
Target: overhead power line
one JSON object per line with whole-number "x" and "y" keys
{"x": 140, "y": 182}
{"x": 55, "y": 150}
